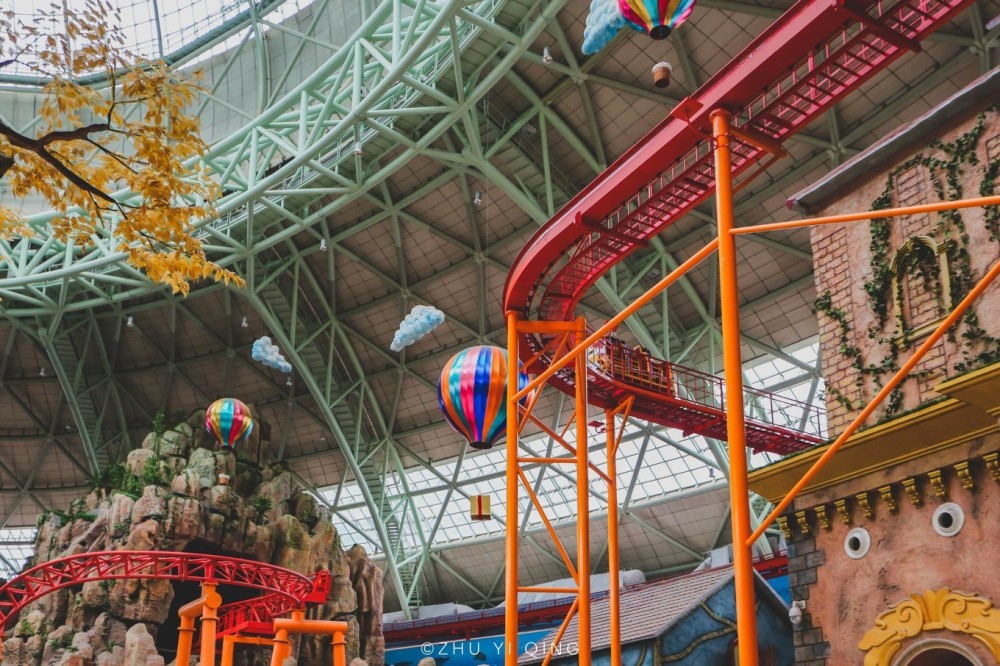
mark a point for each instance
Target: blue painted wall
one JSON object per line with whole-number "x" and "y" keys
{"x": 705, "y": 640}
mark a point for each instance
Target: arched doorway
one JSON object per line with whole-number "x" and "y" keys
{"x": 940, "y": 657}
{"x": 938, "y": 651}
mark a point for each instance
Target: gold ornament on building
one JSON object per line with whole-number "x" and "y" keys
{"x": 932, "y": 610}
{"x": 888, "y": 498}
{"x": 965, "y": 476}
{"x": 803, "y": 521}
{"x": 912, "y": 492}
{"x": 843, "y": 512}
{"x": 937, "y": 483}
{"x": 824, "y": 520}
{"x": 864, "y": 503}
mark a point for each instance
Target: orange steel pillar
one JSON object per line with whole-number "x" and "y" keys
{"x": 614, "y": 604}
{"x": 297, "y": 624}
{"x": 229, "y": 646}
{"x": 282, "y": 644}
{"x": 510, "y": 579}
{"x": 583, "y": 500}
{"x": 207, "y": 606}
{"x": 746, "y": 621}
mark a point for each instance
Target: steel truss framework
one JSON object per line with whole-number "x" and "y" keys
{"x": 413, "y": 82}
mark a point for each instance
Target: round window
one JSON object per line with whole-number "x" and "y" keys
{"x": 857, "y": 543}
{"x": 948, "y": 519}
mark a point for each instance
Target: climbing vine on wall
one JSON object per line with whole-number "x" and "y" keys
{"x": 945, "y": 169}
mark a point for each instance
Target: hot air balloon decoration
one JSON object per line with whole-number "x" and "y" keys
{"x": 229, "y": 421}
{"x": 472, "y": 392}
{"x": 655, "y": 17}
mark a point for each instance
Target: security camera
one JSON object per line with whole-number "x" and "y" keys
{"x": 795, "y": 611}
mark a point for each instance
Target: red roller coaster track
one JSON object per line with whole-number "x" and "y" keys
{"x": 774, "y": 88}
{"x": 294, "y": 590}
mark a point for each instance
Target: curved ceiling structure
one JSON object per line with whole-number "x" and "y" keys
{"x": 351, "y": 143}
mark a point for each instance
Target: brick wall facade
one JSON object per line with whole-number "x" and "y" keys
{"x": 843, "y": 258}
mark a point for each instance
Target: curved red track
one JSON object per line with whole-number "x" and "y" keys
{"x": 773, "y": 89}
{"x": 294, "y": 589}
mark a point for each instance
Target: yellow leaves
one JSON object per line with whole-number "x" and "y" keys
{"x": 136, "y": 134}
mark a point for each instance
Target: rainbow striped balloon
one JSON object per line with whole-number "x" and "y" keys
{"x": 655, "y": 17}
{"x": 472, "y": 392}
{"x": 229, "y": 421}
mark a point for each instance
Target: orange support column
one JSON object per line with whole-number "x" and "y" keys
{"x": 299, "y": 625}
{"x": 229, "y": 646}
{"x": 510, "y": 580}
{"x": 209, "y": 623}
{"x": 746, "y": 620}
{"x": 582, "y": 500}
{"x": 207, "y": 606}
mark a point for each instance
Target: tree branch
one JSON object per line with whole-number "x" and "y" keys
{"x": 37, "y": 146}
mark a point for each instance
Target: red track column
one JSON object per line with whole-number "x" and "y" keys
{"x": 746, "y": 620}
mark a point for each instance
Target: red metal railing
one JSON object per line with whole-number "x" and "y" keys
{"x": 638, "y": 368}
{"x": 294, "y": 588}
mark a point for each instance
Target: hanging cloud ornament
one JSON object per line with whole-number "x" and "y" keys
{"x": 422, "y": 320}
{"x": 267, "y": 353}
{"x": 603, "y": 23}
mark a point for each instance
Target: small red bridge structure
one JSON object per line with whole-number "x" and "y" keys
{"x": 283, "y": 590}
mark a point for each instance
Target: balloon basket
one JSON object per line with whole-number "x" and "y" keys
{"x": 661, "y": 74}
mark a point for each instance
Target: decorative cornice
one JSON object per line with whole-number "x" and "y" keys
{"x": 864, "y": 503}
{"x": 910, "y": 487}
{"x": 824, "y": 520}
{"x": 967, "y": 414}
{"x": 931, "y": 610}
{"x": 843, "y": 511}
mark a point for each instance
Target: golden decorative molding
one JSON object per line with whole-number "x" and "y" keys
{"x": 964, "y": 475}
{"x": 887, "y": 497}
{"x": 843, "y": 512}
{"x": 912, "y": 492}
{"x": 962, "y": 417}
{"x": 937, "y": 483}
{"x": 864, "y": 503}
{"x": 785, "y": 529}
{"x": 824, "y": 520}
{"x": 803, "y": 521}
{"x": 931, "y": 610}
{"x": 993, "y": 464}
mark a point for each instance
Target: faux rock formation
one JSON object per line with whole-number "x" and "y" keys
{"x": 167, "y": 496}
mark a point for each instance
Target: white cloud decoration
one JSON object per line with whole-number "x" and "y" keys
{"x": 422, "y": 320}
{"x": 603, "y": 23}
{"x": 269, "y": 354}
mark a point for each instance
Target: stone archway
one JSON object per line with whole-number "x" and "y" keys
{"x": 932, "y": 610}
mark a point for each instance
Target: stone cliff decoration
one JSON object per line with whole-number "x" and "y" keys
{"x": 167, "y": 496}
{"x": 933, "y": 609}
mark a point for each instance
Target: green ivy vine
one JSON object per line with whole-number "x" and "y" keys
{"x": 945, "y": 169}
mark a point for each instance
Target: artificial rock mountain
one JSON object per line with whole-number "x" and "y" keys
{"x": 167, "y": 496}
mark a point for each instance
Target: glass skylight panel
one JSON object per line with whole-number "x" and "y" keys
{"x": 181, "y": 25}
{"x": 16, "y": 546}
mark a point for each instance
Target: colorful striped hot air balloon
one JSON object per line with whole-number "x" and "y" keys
{"x": 229, "y": 421}
{"x": 472, "y": 392}
{"x": 655, "y": 17}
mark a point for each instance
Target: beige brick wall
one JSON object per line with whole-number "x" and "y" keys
{"x": 843, "y": 262}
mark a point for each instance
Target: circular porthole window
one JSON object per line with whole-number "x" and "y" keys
{"x": 948, "y": 519}
{"x": 857, "y": 543}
